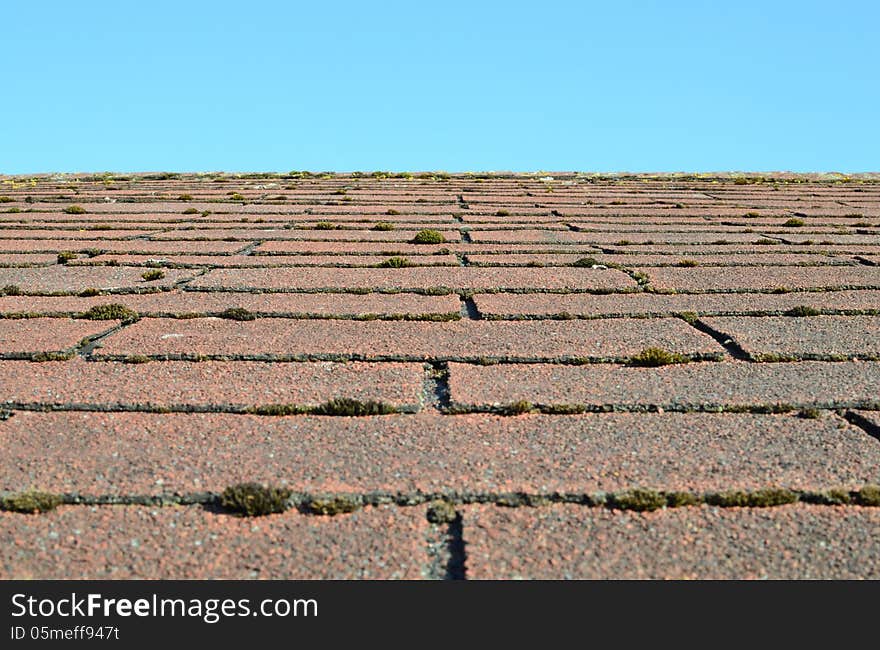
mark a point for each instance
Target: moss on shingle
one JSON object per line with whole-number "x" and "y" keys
{"x": 254, "y": 500}
{"x": 31, "y": 502}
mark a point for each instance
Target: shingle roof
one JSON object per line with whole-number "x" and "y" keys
{"x": 587, "y": 376}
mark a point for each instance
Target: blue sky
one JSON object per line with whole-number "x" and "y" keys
{"x": 455, "y": 86}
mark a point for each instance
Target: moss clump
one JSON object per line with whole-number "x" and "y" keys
{"x": 688, "y": 317}
{"x": 136, "y": 358}
{"x": 638, "y": 499}
{"x": 441, "y": 512}
{"x": 809, "y": 413}
{"x": 185, "y": 197}
{"x": 190, "y": 211}
{"x": 238, "y": 313}
{"x": 869, "y": 496}
{"x": 428, "y": 237}
{"x": 11, "y": 290}
{"x": 502, "y": 213}
{"x": 6, "y": 199}
{"x": 587, "y": 262}
{"x": 74, "y": 209}
{"x": 31, "y": 502}
{"x": 394, "y": 263}
{"x": 655, "y": 357}
{"x": 237, "y": 197}
{"x": 153, "y": 274}
{"x": 681, "y": 499}
{"x": 794, "y": 222}
{"x": 51, "y": 356}
{"x": 277, "y": 409}
{"x": 330, "y": 506}
{"x": 352, "y": 407}
{"x": 563, "y": 409}
{"x": 254, "y": 500}
{"x": 802, "y": 310}
{"x": 65, "y": 256}
{"x": 383, "y": 226}
{"x": 112, "y": 311}
{"x": 837, "y": 497}
{"x": 325, "y": 225}
{"x": 764, "y": 498}
{"x": 88, "y": 292}
{"x": 392, "y": 212}
{"x": 687, "y": 263}
{"x": 517, "y": 408}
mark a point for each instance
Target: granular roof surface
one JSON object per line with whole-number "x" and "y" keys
{"x": 440, "y": 376}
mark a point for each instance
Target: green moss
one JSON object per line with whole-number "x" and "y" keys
{"x": 587, "y": 262}
{"x": 11, "y": 290}
{"x": 277, "y": 409}
{"x": 88, "y": 292}
{"x": 688, "y": 317}
{"x": 837, "y": 497}
{"x": 6, "y": 199}
{"x": 238, "y": 313}
{"x": 441, "y": 512}
{"x": 325, "y": 225}
{"x": 394, "y": 263}
{"x": 383, "y": 226}
{"x": 869, "y": 496}
{"x": 809, "y": 413}
{"x": 32, "y": 502}
{"x": 435, "y": 291}
{"x": 340, "y": 191}
{"x": 254, "y": 500}
{"x": 802, "y": 310}
{"x": 638, "y": 499}
{"x": 687, "y": 263}
{"x": 51, "y": 356}
{"x": 502, "y": 213}
{"x": 65, "y": 256}
{"x": 74, "y": 209}
{"x": 335, "y": 505}
{"x": 352, "y": 407}
{"x": 136, "y": 358}
{"x": 563, "y": 409}
{"x": 237, "y": 197}
{"x": 112, "y": 311}
{"x": 764, "y": 498}
{"x": 794, "y": 223}
{"x": 185, "y": 197}
{"x": 428, "y": 237}
{"x": 624, "y": 242}
{"x": 681, "y": 499}
{"x": 154, "y": 274}
{"x": 92, "y": 252}
{"x": 13, "y": 210}
{"x": 517, "y": 408}
{"x": 654, "y": 357}
{"x": 190, "y": 211}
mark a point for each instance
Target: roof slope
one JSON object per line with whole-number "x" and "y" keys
{"x": 440, "y": 376}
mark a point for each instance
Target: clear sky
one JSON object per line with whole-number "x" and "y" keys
{"x": 455, "y": 86}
